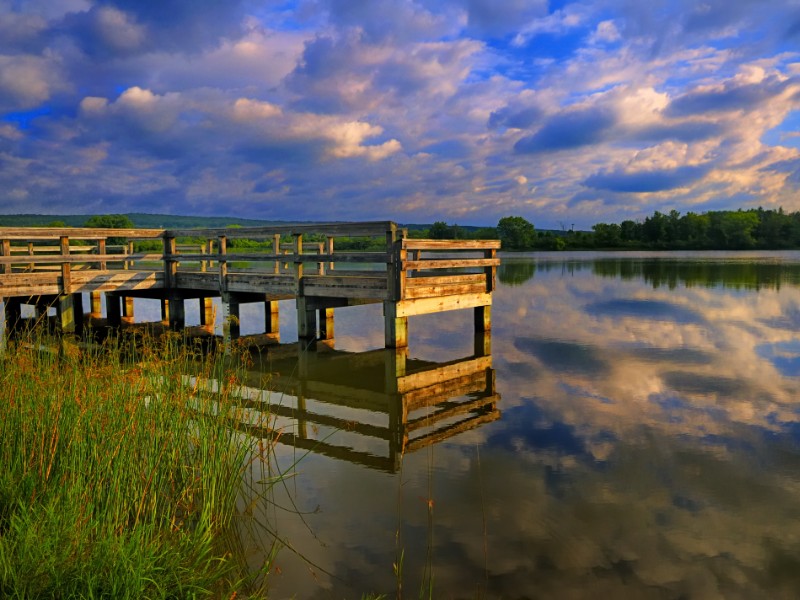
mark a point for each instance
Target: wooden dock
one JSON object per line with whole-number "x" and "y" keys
{"x": 322, "y": 267}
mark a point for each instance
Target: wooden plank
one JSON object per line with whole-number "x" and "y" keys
{"x": 421, "y": 306}
{"x": 32, "y": 284}
{"x": 450, "y": 244}
{"x": 445, "y": 280}
{"x": 451, "y": 263}
{"x": 75, "y": 233}
{"x": 335, "y": 281}
{"x": 51, "y": 259}
{"x": 435, "y": 291}
{"x": 433, "y": 376}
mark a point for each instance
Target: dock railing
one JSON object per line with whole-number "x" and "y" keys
{"x": 321, "y": 265}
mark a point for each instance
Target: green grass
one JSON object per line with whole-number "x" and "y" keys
{"x": 117, "y": 480}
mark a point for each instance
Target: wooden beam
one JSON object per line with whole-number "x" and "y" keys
{"x": 412, "y": 244}
{"x": 421, "y": 306}
{"x": 450, "y": 263}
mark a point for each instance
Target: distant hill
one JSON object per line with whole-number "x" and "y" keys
{"x": 141, "y": 220}
{"x": 149, "y": 221}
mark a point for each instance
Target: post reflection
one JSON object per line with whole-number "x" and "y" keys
{"x": 368, "y": 408}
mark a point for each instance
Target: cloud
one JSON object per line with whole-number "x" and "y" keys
{"x": 28, "y": 81}
{"x": 646, "y": 181}
{"x": 571, "y": 129}
{"x": 106, "y": 31}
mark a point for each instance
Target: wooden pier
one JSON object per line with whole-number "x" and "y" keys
{"x": 322, "y": 267}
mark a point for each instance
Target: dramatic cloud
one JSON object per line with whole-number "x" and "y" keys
{"x": 457, "y": 110}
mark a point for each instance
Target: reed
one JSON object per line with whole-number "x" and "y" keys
{"x": 118, "y": 480}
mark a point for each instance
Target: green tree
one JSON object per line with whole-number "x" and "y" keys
{"x": 440, "y": 231}
{"x": 516, "y": 233}
{"x": 607, "y": 235}
{"x": 109, "y": 222}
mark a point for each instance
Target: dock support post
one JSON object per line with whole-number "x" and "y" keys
{"x": 271, "y": 317}
{"x": 326, "y": 324}
{"x": 306, "y": 320}
{"x": 483, "y": 318}
{"x": 69, "y": 311}
{"x": 96, "y": 305}
{"x": 395, "y": 328}
{"x": 177, "y": 313}
{"x": 207, "y": 314}
{"x": 13, "y": 312}
{"x": 164, "y": 311}
{"x": 127, "y": 309}
{"x": 230, "y": 320}
{"x": 113, "y": 311}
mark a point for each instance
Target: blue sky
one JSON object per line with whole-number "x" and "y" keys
{"x": 457, "y": 110}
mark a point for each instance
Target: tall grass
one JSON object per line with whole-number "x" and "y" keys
{"x": 116, "y": 479}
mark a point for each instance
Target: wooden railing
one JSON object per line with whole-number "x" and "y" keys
{"x": 396, "y": 268}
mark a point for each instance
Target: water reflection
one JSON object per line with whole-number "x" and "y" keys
{"x": 368, "y": 408}
{"x": 649, "y": 444}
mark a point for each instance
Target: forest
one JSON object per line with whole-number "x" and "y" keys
{"x": 743, "y": 229}
{"x": 749, "y": 229}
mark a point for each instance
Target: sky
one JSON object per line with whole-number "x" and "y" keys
{"x": 464, "y": 111}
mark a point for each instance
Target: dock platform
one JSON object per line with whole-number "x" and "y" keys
{"x": 321, "y": 266}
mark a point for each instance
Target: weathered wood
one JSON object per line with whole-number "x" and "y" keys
{"x": 450, "y": 263}
{"x": 421, "y": 306}
{"x": 66, "y": 283}
{"x": 445, "y": 280}
{"x": 435, "y": 291}
{"x": 75, "y": 233}
{"x": 412, "y": 244}
{"x": 54, "y": 259}
{"x": 398, "y": 282}
{"x": 5, "y": 252}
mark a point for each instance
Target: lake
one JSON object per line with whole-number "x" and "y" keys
{"x": 635, "y": 433}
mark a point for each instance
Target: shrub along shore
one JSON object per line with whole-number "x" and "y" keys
{"x": 119, "y": 480}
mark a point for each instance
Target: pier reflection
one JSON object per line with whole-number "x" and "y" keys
{"x": 368, "y": 408}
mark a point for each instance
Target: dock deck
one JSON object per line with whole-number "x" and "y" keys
{"x": 321, "y": 266}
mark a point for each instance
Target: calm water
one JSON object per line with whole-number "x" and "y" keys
{"x": 637, "y": 436}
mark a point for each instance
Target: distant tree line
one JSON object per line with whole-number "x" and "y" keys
{"x": 716, "y": 230}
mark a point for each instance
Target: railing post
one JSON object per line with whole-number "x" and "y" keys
{"x": 101, "y": 249}
{"x": 329, "y": 250}
{"x": 395, "y": 327}
{"x": 483, "y": 314}
{"x": 31, "y": 266}
{"x": 222, "y": 263}
{"x": 321, "y": 264}
{"x": 170, "y": 264}
{"x": 276, "y": 250}
{"x": 66, "y": 283}
{"x": 5, "y": 250}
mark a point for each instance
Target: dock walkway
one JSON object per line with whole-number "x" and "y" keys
{"x": 321, "y": 266}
